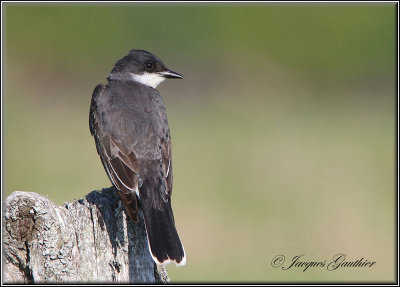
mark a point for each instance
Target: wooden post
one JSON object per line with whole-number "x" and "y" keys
{"x": 90, "y": 240}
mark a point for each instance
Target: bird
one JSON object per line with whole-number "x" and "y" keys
{"x": 128, "y": 121}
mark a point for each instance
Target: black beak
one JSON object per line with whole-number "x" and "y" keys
{"x": 171, "y": 75}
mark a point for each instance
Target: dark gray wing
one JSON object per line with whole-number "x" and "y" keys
{"x": 167, "y": 165}
{"x": 120, "y": 164}
{"x": 156, "y": 164}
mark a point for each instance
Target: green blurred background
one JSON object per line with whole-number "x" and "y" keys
{"x": 283, "y": 129}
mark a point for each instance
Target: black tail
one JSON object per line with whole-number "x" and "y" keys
{"x": 164, "y": 243}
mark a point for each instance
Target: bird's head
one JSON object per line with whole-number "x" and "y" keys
{"x": 143, "y": 67}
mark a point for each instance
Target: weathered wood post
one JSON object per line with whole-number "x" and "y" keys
{"x": 87, "y": 240}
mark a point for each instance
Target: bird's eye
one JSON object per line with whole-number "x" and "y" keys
{"x": 149, "y": 66}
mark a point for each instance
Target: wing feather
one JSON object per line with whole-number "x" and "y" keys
{"x": 120, "y": 164}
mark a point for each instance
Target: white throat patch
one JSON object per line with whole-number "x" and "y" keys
{"x": 148, "y": 79}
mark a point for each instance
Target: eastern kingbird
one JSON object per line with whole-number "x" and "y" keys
{"x": 129, "y": 123}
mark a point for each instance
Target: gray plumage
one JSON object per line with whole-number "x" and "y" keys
{"x": 129, "y": 123}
